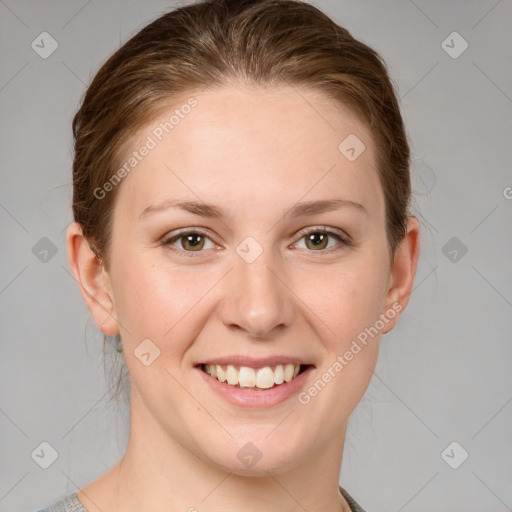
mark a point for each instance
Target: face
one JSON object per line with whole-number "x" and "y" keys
{"x": 246, "y": 237}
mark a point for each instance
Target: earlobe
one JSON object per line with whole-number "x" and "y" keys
{"x": 92, "y": 279}
{"x": 403, "y": 270}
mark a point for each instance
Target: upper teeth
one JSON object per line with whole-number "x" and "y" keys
{"x": 248, "y": 377}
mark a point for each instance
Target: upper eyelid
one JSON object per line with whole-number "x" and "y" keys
{"x": 186, "y": 231}
{"x": 322, "y": 229}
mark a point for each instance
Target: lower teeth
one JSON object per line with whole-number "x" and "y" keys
{"x": 250, "y": 387}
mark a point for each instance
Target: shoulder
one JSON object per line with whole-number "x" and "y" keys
{"x": 354, "y": 506}
{"x": 70, "y": 503}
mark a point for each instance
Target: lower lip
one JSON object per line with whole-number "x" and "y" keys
{"x": 247, "y": 397}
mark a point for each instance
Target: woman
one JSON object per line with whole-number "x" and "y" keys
{"x": 241, "y": 195}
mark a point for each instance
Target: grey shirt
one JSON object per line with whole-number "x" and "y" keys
{"x": 71, "y": 503}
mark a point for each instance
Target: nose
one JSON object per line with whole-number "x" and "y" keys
{"x": 257, "y": 300}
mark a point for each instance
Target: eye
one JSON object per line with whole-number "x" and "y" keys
{"x": 318, "y": 239}
{"x": 190, "y": 240}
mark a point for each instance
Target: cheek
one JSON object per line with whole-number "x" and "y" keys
{"x": 346, "y": 298}
{"x": 344, "y": 312}
{"x": 158, "y": 302}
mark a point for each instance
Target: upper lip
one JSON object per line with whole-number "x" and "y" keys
{"x": 255, "y": 362}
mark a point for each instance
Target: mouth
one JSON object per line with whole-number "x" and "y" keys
{"x": 252, "y": 378}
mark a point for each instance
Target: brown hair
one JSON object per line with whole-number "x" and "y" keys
{"x": 260, "y": 42}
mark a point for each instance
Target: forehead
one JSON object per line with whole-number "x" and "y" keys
{"x": 241, "y": 142}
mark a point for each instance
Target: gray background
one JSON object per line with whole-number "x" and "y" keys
{"x": 443, "y": 373}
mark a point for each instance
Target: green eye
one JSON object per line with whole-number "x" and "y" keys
{"x": 318, "y": 240}
{"x": 189, "y": 241}
{"x": 194, "y": 241}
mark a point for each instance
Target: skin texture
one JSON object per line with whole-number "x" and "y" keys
{"x": 254, "y": 153}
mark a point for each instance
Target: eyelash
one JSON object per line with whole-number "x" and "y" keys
{"x": 345, "y": 241}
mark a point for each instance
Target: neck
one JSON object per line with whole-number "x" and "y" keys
{"x": 158, "y": 473}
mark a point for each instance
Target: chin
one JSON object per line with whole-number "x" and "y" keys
{"x": 256, "y": 458}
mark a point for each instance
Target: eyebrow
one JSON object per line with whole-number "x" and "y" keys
{"x": 209, "y": 210}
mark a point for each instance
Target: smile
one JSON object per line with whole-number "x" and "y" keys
{"x": 265, "y": 377}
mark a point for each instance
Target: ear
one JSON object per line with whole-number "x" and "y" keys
{"x": 93, "y": 280}
{"x": 403, "y": 270}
